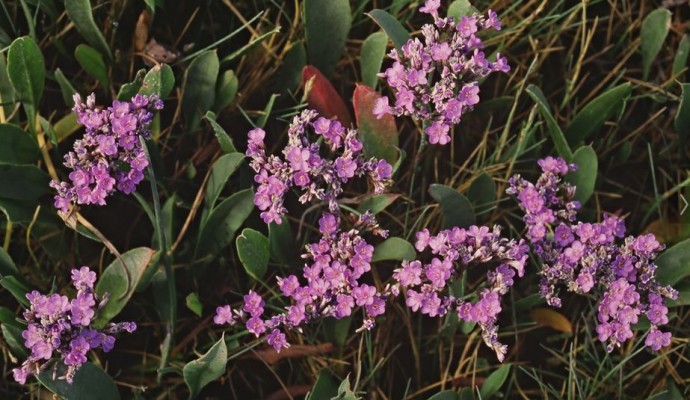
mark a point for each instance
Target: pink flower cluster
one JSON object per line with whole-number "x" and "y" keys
{"x": 304, "y": 167}
{"x": 592, "y": 258}
{"x": 427, "y": 285}
{"x": 437, "y": 81}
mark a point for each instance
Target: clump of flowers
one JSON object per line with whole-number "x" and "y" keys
{"x": 60, "y": 329}
{"x": 595, "y": 258}
{"x": 427, "y": 285}
{"x": 109, "y": 156}
{"x": 304, "y": 167}
{"x": 436, "y": 81}
{"x": 331, "y": 285}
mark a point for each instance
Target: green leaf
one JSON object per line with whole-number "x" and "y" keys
{"x": 289, "y": 74}
{"x": 219, "y": 230}
{"x": 223, "y": 138}
{"x": 129, "y": 90}
{"x": 494, "y": 381}
{"x": 206, "y": 369}
{"x": 247, "y": 47}
{"x": 674, "y": 263}
{"x": 193, "y": 303}
{"x": 590, "y": 119}
{"x": 393, "y": 28}
{"x": 376, "y": 203}
{"x": 482, "y": 191}
{"x": 263, "y": 117}
{"x": 652, "y": 36}
{"x": 199, "y": 88}
{"x": 394, "y": 248}
{"x": 585, "y": 178}
{"x": 379, "y": 136}
{"x": 66, "y": 88}
{"x": 22, "y": 182}
{"x": 680, "y": 60}
{"x": 371, "y": 57}
{"x": 16, "y": 211}
{"x": 26, "y": 70}
{"x": 7, "y": 266}
{"x": 325, "y": 387}
{"x": 253, "y": 251}
{"x": 92, "y": 62}
{"x": 281, "y": 242}
{"x": 90, "y": 382}
{"x": 226, "y": 90}
{"x": 461, "y": 8}
{"x": 13, "y": 337}
{"x": 344, "y": 391}
{"x": 337, "y": 331}
{"x": 7, "y": 95}
{"x": 326, "y": 25}
{"x": 682, "y": 120}
{"x": 559, "y": 140}
{"x": 120, "y": 281}
{"x": 445, "y": 395}
{"x": 456, "y": 209}
{"x": 160, "y": 81}
{"x": 79, "y": 11}
{"x": 17, "y": 146}
{"x": 16, "y": 288}
{"x": 221, "y": 171}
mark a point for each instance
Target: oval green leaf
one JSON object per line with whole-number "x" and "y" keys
{"x": 160, "y": 81}
{"x": 585, "y": 178}
{"x": 327, "y": 24}
{"x": 26, "y": 70}
{"x": 7, "y": 266}
{"x": 371, "y": 57}
{"x": 445, "y": 395}
{"x": 377, "y": 203}
{"x": 557, "y": 136}
{"x": 92, "y": 62}
{"x": 652, "y": 36}
{"x": 494, "y": 381}
{"x": 394, "y": 248}
{"x": 90, "y": 382}
{"x": 393, "y": 28}
{"x": 13, "y": 337}
{"x": 206, "y": 369}
{"x": 281, "y": 242}
{"x": 461, "y": 8}
{"x": 221, "y": 171}
{"x": 219, "y": 230}
{"x": 17, "y": 146}
{"x": 22, "y": 182}
{"x": 226, "y": 90}
{"x": 674, "y": 263}
{"x": 223, "y": 138}
{"x": 119, "y": 280}
{"x": 456, "y": 208}
{"x": 79, "y": 11}
{"x": 590, "y": 119}
{"x": 253, "y": 251}
{"x": 199, "y": 91}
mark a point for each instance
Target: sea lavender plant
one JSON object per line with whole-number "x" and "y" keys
{"x": 109, "y": 156}
{"x": 61, "y": 330}
{"x": 332, "y": 285}
{"x": 437, "y": 81}
{"x": 592, "y": 258}
{"x": 427, "y": 285}
{"x": 316, "y": 175}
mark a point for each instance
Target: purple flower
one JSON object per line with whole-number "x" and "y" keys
{"x": 436, "y": 80}
{"x": 277, "y": 339}
{"x": 224, "y": 315}
{"x": 657, "y": 339}
{"x": 110, "y": 142}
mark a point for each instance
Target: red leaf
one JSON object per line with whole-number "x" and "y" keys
{"x": 322, "y": 96}
{"x": 379, "y": 136}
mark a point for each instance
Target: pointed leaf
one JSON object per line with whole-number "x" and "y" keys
{"x": 379, "y": 136}
{"x": 221, "y": 171}
{"x": 66, "y": 88}
{"x": 680, "y": 60}
{"x": 193, "y": 303}
{"x": 253, "y": 251}
{"x": 17, "y": 288}
{"x": 456, "y": 209}
{"x": 323, "y": 97}
{"x": 199, "y": 88}
{"x": 494, "y": 381}
{"x": 674, "y": 263}
{"x": 129, "y": 90}
{"x": 7, "y": 266}
{"x": 557, "y": 136}
{"x": 652, "y": 36}
{"x": 90, "y": 382}
{"x": 281, "y": 242}
{"x": 482, "y": 191}
{"x": 371, "y": 57}
{"x": 219, "y": 230}
{"x": 326, "y": 25}
{"x": 393, "y": 28}
{"x": 461, "y": 8}
{"x": 120, "y": 281}
{"x": 596, "y": 112}
{"x": 92, "y": 62}
{"x": 445, "y": 395}
{"x": 79, "y": 11}
{"x": 585, "y": 178}
{"x": 223, "y": 138}
{"x": 206, "y": 369}
{"x": 226, "y": 90}
{"x": 552, "y": 319}
{"x": 17, "y": 146}
{"x": 13, "y": 337}
{"x": 26, "y": 70}
{"x": 394, "y": 248}
{"x": 288, "y": 76}
{"x": 325, "y": 387}
{"x": 377, "y": 203}
{"x": 22, "y": 182}
{"x": 7, "y": 95}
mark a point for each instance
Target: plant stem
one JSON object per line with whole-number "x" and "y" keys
{"x": 417, "y": 168}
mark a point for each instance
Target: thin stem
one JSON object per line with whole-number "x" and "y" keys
{"x": 417, "y": 168}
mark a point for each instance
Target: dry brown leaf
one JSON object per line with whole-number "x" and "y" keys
{"x": 551, "y": 318}
{"x": 141, "y": 31}
{"x": 270, "y": 356}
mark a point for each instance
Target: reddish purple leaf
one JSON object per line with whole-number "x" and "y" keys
{"x": 322, "y": 96}
{"x": 379, "y": 136}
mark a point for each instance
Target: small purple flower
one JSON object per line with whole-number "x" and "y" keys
{"x": 224, "y": 315}
{"x": 657, "y": 339}
{"x": 276, "y": 339}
